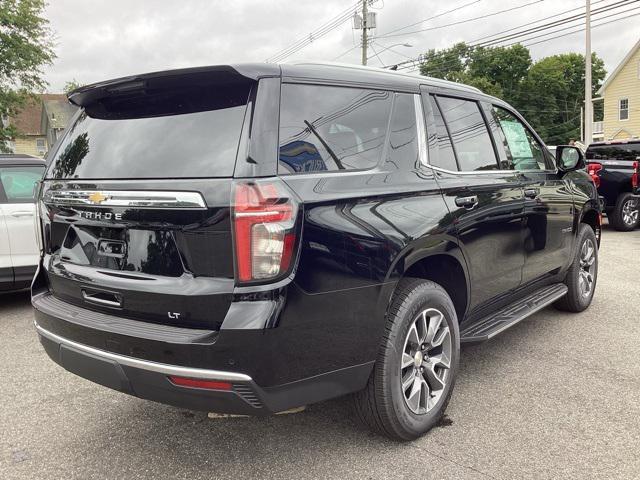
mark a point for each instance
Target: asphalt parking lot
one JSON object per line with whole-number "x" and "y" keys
{"x": 557, "y": 396}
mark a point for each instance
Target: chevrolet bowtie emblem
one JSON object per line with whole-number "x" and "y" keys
{"x": 97, "y": 197}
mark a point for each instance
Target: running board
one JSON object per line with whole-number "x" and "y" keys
{"x": 488, "y": 327}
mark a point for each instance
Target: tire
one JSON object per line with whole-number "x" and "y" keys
{"x": 383, "y": 405}
{"x": 577, "y": 299}
{"x": 623, "y": 218}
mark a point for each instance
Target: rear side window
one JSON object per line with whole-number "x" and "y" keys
{"x": 19, "y": 183}
{"x": 620, "y": 151}
{"x": 524, "y": 151}
{"x": 403, "y": 134}
{"x": 324, "y": 128}
{"x": 471, "y": 140}
{"x": 446, "y": 158}
{"x": 193, "y": 131}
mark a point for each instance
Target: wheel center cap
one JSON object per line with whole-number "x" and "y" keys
{"x": 417, "y": 359}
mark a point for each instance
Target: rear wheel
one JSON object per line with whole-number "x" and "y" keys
{"x": 583, "y": 273}
{"x": 416, "y": 367}
{"x": 626, "y": 214}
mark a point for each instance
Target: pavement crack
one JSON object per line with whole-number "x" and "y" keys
{"x": 468, "y": 467}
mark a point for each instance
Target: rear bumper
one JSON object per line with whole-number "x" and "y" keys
{"x": 149, "y": 378}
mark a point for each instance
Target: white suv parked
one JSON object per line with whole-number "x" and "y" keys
{"x": 19, "y": 253}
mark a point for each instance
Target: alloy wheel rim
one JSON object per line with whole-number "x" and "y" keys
{"x": 426, "y": 360}
{"x": 629, "y": 214}
{"x": 586, "y": 275}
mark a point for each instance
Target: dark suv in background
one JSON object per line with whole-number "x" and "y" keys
{"x": 251, "y": 238}
{"x": 615, "y": 168}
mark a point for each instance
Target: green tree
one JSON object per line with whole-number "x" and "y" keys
{"x": 553, "y": 95}
{"x": 550, "y": 92}
{"x": 498, "y": 71}
{"x": 71, "y": 86}
{"x": 26, "y": 47}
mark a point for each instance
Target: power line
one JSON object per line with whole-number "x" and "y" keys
{"x": 566, "y": 34}
{"x": 345, "y": 52}
{"x": 316, "y": 34}
{"x": 460, "y": 22}
{"x": 582, "y": 29}
{"x": 432, "y": 18}
{"x": 532, "y": 23}
{"x": 376, "y": 54}
{"x": 411, "y": 64}
{"x": 446, "y": 12}
{"x": 559, "y": 22}
{"x": 574, "y": 26}
{"x": 390, "y": 49}
{"x": 495, "y": 41}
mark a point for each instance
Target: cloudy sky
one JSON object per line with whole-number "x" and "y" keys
{"x": 97, "y": 40}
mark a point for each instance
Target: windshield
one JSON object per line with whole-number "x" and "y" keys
{"x": 619, "y": 151}
{"x": 192, "y": 132}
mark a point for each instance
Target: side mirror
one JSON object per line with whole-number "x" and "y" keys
{"x": 569, "y": 158}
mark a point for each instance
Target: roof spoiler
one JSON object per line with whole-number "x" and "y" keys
{"x": 211, "y": 75}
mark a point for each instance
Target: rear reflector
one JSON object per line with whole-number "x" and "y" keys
{"x": 635, "y": 175}
{"x": 199, "y": 383}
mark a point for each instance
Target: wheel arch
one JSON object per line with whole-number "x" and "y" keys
{"x": 447, "y": 268}
{"x": 591, "y": 216}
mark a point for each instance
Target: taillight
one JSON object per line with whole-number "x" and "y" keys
{"x": 38, "y": 225}
{"x": 593, "y": 169}
{"x": 635, "y": 175}
{"x": 264, "y": 219}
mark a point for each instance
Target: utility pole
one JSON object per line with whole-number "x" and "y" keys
{"x": 588, "y": 105}
{"x": 364, "y": 32}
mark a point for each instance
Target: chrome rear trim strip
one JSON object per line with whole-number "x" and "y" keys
{"x": 163, "y": 368}
{"x": 129, "y": 198}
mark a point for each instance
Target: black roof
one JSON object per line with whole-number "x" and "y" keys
{"x": 250, "y": 72}
{"x": 20, "y": 159}
{"x": 615, "y": 142}
{"x": 375, "y": 77}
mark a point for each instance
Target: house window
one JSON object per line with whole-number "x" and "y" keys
{"x": 41, "y": 145}
{"x": 623, "y": 111}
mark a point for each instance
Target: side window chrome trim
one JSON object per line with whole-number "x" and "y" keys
{"x": 488, "y": 172}
{"x": 477, "y": 172}
{"x": 422, "y": 132}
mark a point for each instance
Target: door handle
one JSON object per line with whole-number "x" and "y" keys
{"x": 531, "y": 193}
{"x": 22, "y": 214}
{"x": 467, "y": 202}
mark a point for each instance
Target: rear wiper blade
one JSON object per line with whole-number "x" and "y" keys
{"x": 325, "y": 145}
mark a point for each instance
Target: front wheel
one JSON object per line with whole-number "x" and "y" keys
{"x": 626, "y": 214}
{"x": 582, "y": 275}
{"x": 415, "y": 370}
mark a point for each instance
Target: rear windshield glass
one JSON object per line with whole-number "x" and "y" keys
{"x": 192, "y": 132}
{"x": 621, "y": 151}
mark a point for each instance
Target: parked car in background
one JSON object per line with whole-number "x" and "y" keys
{"x": 19, "y": 253}
{"x": 615, "y": 168}
{"x": 271, "y": 236}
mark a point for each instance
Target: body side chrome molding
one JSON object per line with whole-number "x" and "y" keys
{"x": 126, "y": 198}
{"x": 162, "y": 368}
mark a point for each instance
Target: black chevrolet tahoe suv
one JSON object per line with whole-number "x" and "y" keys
{"x": 615, "y": 168}
{"x": 251, "y": 238}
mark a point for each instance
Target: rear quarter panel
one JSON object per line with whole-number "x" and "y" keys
{"x": 361, "y": 232}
